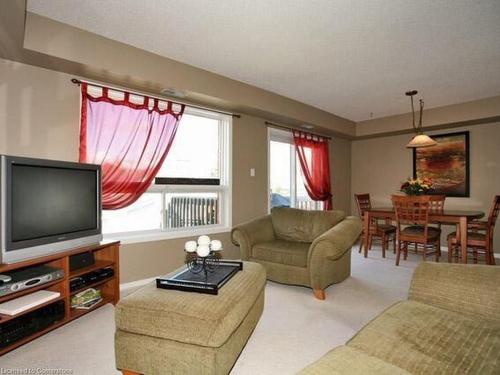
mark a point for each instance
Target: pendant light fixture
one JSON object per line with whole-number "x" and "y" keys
{"x": 420, "y": 139}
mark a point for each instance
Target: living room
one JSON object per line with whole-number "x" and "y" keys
{"x": 262, "y": 75}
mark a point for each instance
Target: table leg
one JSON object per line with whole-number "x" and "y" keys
{"x": 366, "y": 228}
{"x": 463, "y": 238}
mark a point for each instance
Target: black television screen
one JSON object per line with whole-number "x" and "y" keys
{"x": 47, "y": 206}
{"x": 51, "y": 201}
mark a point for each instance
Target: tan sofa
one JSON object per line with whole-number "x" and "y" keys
{"x": 309, "y": 248}
{"x": 450, "y": 324}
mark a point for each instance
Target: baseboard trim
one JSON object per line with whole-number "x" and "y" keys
{"x": 497, "y": 256}
{"x": 136, "y": 284}
{"x": 445, "y": 249}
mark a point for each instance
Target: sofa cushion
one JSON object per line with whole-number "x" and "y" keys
{"x": 346, "y": 361}
{"x": 292, "y": 224}
{"x": 282, "y": 252}
{"x": 423, "y": 339}
{"x": 192, "y": 318}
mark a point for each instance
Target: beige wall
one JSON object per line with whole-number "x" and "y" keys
{"x": 340, "y": 165}
{"x": 39, "y": 114}
{"x": 379, "y": 165}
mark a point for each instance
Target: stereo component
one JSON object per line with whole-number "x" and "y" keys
{"x": 29, "y": 277}
{"x": 90, "y": 278}
{"x": 18, "y": 328}
{"x": 82, "y": 260}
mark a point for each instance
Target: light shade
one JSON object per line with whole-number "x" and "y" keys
{"x": 421, "y": 140}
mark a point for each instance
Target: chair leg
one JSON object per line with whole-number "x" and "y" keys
{"x": 370, "y": 240}
{"x": 394, "y": 244}
{"x": 319, "y": 294}
{"x": 384, "y": 245}
{"x": 492, "y": 254}
{"x": 438, "y": 250}
{"x": 398, "y": 253}
{"x": 474, "y": 255}
{"x": 405, "y": 247}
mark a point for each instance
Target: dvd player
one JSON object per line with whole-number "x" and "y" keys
{"x": 26, "y": 278}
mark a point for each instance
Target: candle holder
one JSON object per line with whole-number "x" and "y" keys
{"x": 203, "y": 255}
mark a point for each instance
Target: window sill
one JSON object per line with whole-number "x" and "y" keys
{"x": 131, "y": 237}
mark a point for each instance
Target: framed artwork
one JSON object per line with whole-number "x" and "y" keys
{"x": 446, "y": 163}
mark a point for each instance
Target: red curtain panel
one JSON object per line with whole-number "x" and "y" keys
{"x": 130, "y": 141}
{"x": 312, "y": 151}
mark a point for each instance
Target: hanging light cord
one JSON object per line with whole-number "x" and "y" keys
{"x": 413, "y": 113}
{"x": 421, "y": 115}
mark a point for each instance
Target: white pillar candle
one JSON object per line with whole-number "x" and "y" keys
{"x": 216, "y": 245}
{"x": 203, "y": 251}
{"x": 204, "y": 240}
{"x": 190, "y": 246}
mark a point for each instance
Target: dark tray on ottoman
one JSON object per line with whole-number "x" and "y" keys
{"x": 208, "y": 283}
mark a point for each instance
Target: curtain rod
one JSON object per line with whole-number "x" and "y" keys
{"x": 79, "y": 82}
{"x": 290, "y": 127}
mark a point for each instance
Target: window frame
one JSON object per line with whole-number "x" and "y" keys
{"x": 283, "y": 136}
{"x": 224, "y": 191}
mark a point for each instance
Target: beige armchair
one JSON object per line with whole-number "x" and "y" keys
{"x": 299, "y": 247}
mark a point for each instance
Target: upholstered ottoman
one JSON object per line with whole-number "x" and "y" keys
{"x": 161, "y": 331}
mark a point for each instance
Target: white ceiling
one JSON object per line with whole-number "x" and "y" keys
{"x": 351, "y": 58}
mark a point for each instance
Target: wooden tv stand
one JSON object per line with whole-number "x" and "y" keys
{"x": 106, "y": 255}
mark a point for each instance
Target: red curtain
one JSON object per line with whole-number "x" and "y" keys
{"x": 130, "y": 141}
{"x": 312, "y": 151}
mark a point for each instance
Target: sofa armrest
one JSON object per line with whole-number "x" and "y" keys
{"x": 466, "y": 289}
{"x": 248, "y": 234}
{"x": 336, "y": 241}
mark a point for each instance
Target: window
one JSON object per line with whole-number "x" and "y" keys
{"x": 192, "y": 190}
{"x": 286, "y": 183}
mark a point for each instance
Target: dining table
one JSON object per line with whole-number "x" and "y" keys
{"x": 460, "y": 218}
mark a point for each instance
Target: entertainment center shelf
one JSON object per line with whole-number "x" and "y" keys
{"x": 106, "y": 255}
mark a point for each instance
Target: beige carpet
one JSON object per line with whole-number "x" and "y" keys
{"x": 294, "y": 330}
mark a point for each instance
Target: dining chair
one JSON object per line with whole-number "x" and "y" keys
{"x": 413, "y": 212}
{"x": 436, "y": 206}
{"x": 479, "y": 239}
{"x": 385, "y": 232}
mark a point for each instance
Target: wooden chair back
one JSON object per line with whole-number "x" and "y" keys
{"x": 363, "y": 202}
{"x": 492, "y": 218}
{"x": 437, "y": 203}
{"x": 495, "y": 209}
{"x": 412, "y": 210}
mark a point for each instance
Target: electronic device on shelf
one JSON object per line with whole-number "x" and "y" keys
{"x": 25, "y": 325}
{"x": 5, "y": 279}
{"x": 90, "y": 278}
{"x": 29, "y": 277}
{"x": 18, "y": 305}
{"x": 47, "y": 206}
{"x": 82, "y": 260}
{"x": 76, "y": 283}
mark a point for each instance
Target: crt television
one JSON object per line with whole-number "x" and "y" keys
{"x": 47, "y": 206}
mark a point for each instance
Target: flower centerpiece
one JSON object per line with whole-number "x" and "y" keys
{"x": 417, "y": 186}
